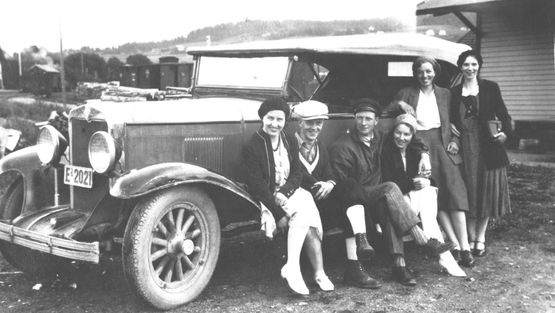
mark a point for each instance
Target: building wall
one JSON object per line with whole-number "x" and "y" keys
{"x": 518, "y": 49}
{"x": 129, "y": 76}
{"x": 168, "y": 75}
{"x": 184, "y": 71}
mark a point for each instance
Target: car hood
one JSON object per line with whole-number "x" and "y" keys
{"x": 205, "y": 110}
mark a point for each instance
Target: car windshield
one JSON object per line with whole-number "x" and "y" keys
{"x": 333, "y": 78}
{"x": 267, "y": 72}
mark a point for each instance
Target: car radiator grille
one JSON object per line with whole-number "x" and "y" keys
{"x": 81, "y": 131}
{"x": 204, "y": 151}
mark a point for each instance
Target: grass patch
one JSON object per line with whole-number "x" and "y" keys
{"x": 21, "y": 111}
{"x": 532, "y": 192}
{"x": 36, "y": 110}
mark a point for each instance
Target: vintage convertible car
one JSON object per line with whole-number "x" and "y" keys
{"x": 159, "y": 179}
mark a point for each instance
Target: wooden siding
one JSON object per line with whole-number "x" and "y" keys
{"x": 518, "y": 50}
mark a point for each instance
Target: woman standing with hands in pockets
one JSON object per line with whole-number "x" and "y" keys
{"x": 430, "y": 104}
{"x": 479, "y": 113}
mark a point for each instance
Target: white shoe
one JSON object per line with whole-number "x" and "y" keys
{"x": 449, "y": 264}
{"x": 324, "y": 282}
{"x": 294, "y": 281}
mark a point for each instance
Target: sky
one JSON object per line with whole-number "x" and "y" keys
{"x": 110, "y": 23}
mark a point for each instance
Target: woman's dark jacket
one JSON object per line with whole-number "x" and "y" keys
{"x": 259, "y": 170}
{"x": 393, "y": 169}
{"x": 491, "y": 105}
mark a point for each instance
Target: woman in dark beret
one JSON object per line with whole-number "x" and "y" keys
{"x": 273, "y": 176}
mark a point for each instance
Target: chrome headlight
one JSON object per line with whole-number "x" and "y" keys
{"x": 103, "y": 152}
{"x": 51, "y": 145}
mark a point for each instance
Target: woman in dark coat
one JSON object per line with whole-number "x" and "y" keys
{"x": 430, "y": 104}
{"x": 476, "y": 104}
{"x": 273, "y": 176}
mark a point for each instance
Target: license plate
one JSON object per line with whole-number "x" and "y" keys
{"x": 78, "y": 176}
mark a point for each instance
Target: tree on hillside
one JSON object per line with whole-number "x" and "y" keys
{"x": 2, "y": 61}
{"x": 138, "y": 59}
{"x": 249, "y": 30}
{"x": 2, "y": 57}
{"x": 114, "y": 67}
{"x": 10, "y": 71}
{"x": 85, "y": 67}
{"x": 10, "y": 66}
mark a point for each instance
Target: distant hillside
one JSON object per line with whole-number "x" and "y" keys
{"x": 447, "y": 27}
{"x": 250, "y": 30}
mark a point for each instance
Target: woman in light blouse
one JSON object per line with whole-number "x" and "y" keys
{"x": 430, "y": 104}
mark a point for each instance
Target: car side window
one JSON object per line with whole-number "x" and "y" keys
{"x": 345, "y": 85}
{"x": 304, "y": 79}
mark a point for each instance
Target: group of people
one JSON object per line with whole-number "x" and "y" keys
{"x": 442, "y": 162}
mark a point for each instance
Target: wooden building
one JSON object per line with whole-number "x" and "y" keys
{"x": 41, "y": 79}
{"x": 169, "y": 72}
{"x": 128, "y": 75}
{"x": 517, "y": 40}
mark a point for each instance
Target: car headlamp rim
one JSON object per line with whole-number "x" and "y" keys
{"x": 111, "y": 152}
{"x": 57, "y": 145}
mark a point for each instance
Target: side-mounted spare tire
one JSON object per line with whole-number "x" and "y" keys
{"x": 171, "y": 246}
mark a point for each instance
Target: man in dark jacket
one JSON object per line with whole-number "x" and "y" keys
{"x": 335, "y": 209}
{"x": 356, "y": 156}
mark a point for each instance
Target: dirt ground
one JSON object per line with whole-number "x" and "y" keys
{"x": 517, "y": 274}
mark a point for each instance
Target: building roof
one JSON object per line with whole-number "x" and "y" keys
{"x": 408, "y": 44}
{"x": 439, "y": 7}
{"x": 44, "y": 68}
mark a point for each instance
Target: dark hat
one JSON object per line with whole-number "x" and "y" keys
{"x": 274, "y": 103}
{"x": 366, "y": 104}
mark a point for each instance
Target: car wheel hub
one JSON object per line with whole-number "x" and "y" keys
{"x": 176, "y": 245}
{"x": 188, "y": 247}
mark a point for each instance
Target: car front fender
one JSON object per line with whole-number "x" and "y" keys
{"x": 36, "y": 183}
{"x": 22, "y": 161}
{"x": 152, "y": 178}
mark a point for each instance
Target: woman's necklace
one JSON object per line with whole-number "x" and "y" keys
{"x": 278, "y": 144}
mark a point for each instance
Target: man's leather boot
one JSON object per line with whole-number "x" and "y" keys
{"x": 364, "y": 250}
{"x": 356, "y": 275}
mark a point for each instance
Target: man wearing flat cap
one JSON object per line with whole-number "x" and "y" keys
{"x": 333, "y": 202}
{"x": 355, "y": 156}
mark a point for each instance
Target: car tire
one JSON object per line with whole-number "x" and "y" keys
{"x": 171, "y": 246}
{"x": 29, "y": 261}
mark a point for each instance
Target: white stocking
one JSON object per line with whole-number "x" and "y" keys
{"x": 295, "y": 239}
{"x": 355, "y": 214}
{"x": 351, "y": 247}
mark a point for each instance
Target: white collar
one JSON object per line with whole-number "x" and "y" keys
{"x": 470, "y": 91}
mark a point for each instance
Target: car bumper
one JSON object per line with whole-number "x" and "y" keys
{"x": 71, "y": 249}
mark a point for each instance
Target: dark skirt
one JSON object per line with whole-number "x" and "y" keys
{"x": 488, "y": 190}
{"x": 452, "y": 194}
